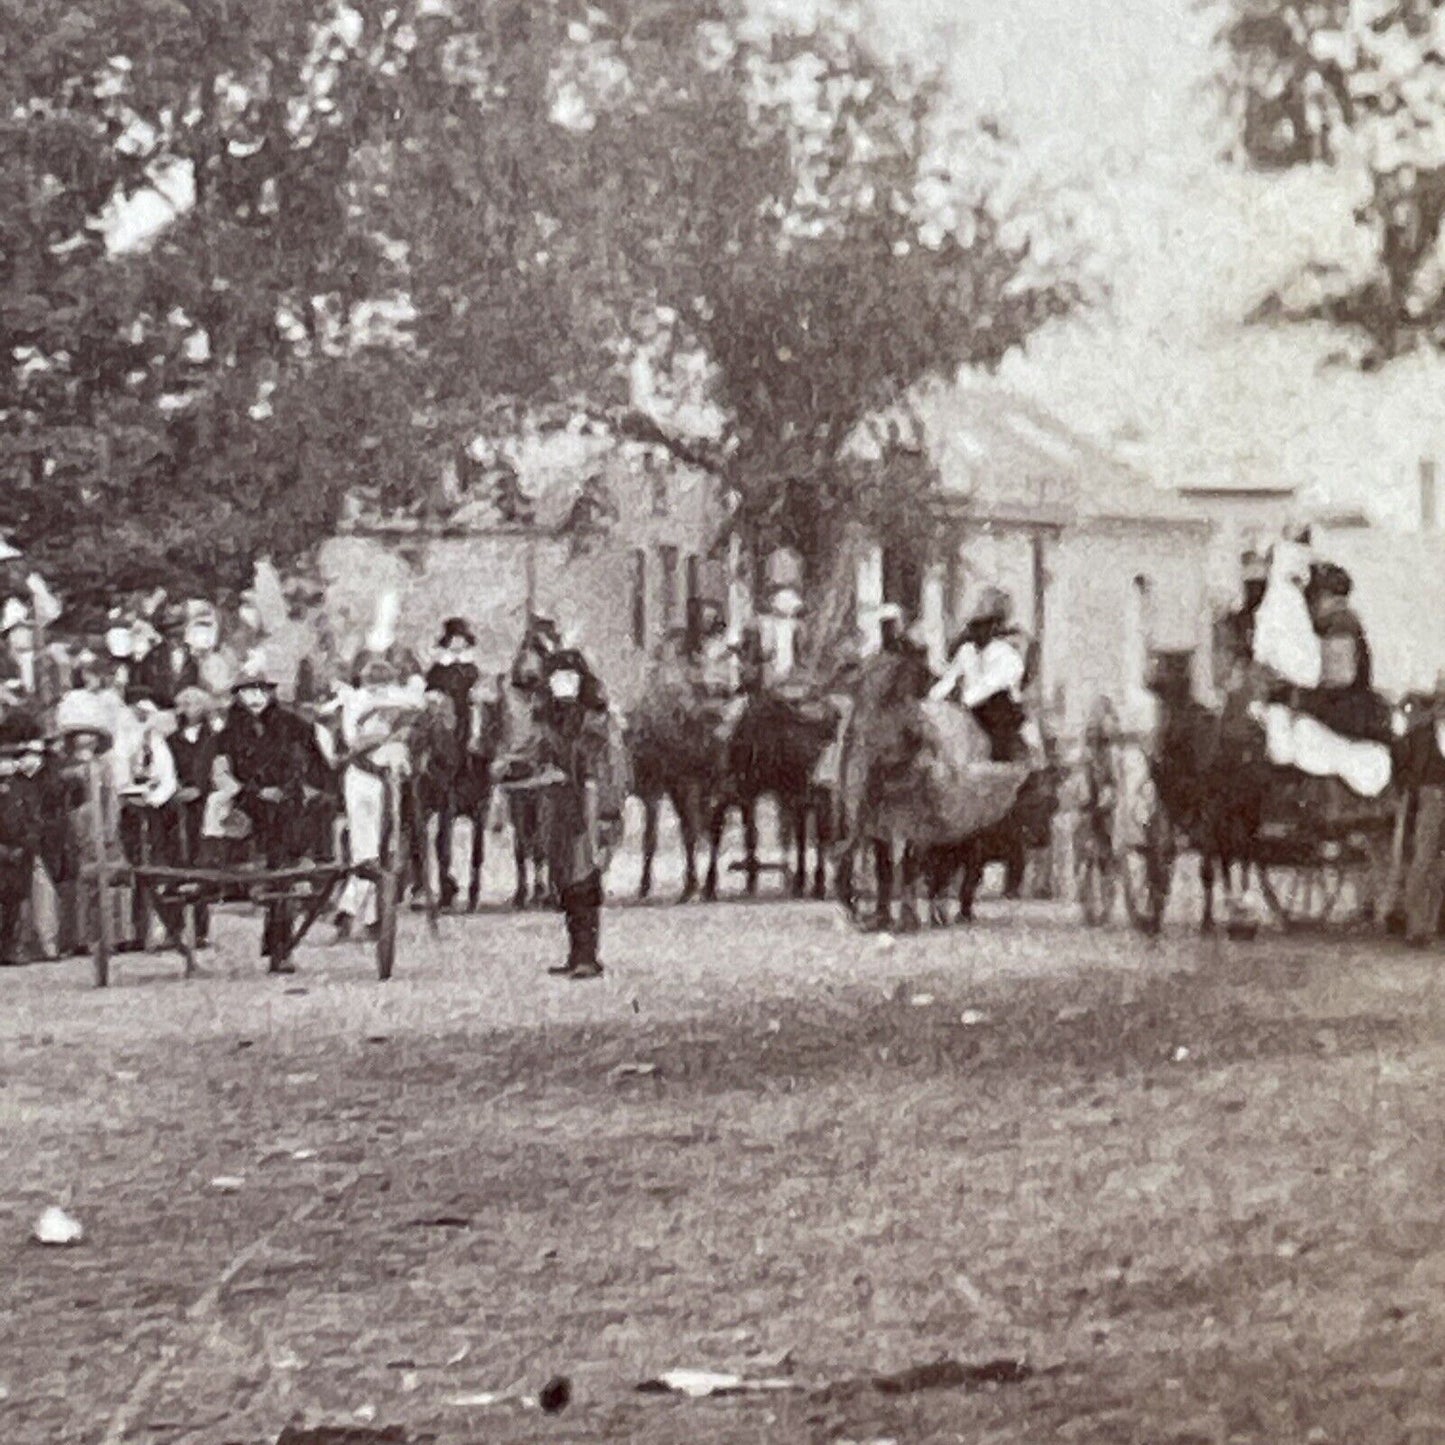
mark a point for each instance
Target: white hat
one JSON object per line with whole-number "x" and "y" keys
{"x": 786, "y": 602}
{"x": 14, "y": 614}
{"x": 83, "y": 712}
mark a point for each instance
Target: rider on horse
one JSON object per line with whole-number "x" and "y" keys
{"x": 988, "y": 672}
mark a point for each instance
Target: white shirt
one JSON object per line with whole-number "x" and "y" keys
{"x": 984, "y": 672}
{"x": 151, "y": 766}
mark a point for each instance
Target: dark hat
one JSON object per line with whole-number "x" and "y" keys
{"x": 137, "y": 693}
{"x": 18, "y": 728}
{"x": 455, "y": 627}
{"x": 253, "y": 675}
{"x": 1334, "y": 581}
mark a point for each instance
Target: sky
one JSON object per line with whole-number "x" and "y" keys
{"x": 1111, "y": 97}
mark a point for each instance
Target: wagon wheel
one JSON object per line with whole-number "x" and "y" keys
{"x": 388, "y": 883}
{"x": 1302, "y": 895}
{"x": 1148, "y": 858}
{"x": 101, "y": 862}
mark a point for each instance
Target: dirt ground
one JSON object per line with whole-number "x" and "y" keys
{"x": 1196, "y": 1187}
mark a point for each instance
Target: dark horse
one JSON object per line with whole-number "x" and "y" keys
{"x": 774, "y": 751}
{"x": 527, "y": 808}
{"x": 1029, "y": 824}
{"x": 673, "y": 740}
{"x": 1211, "y": 774}
{"x": 457, "y": 784}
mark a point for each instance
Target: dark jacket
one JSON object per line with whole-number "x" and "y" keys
{"x": 22, "y": 832}
{"x": 278, "y": 749}
{"x": 164, "y": 675}
{"x": 585, "y": 813}
{"x": 194, "y": 758}
{"x": 455, "y": 681}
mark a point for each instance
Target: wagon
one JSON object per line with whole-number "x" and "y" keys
{"x": 1312, "y": 855}
{"x": 298, "y": 894}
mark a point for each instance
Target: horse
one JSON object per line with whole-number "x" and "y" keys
{"x": 1211, "y": 775}
{"x": 457, "y": 784}
{"x": 774, "y": 750}
{"x": 672, "y": 737}
{"x": 914, "y": 774}
{"x": 1028, "y": 824}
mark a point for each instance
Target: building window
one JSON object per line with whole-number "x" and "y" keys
{"x": 667, "y": 562}
{"x": 639, "y": 598}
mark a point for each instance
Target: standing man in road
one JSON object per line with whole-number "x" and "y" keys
{"x": 582, "y": 763}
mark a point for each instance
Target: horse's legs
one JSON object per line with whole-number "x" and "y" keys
{"x": 716, "y": 823}
{"x": 883, "y": 867}
{"x": 908, "y": 919}
{"x": 446, "y": 821}
{"x": 650, "y": 804}
{"x": 970, "y": 877}
{"x": 823, "y": 825}
{"x": 687, "y": 804}
{"x": 1016, "y": 864}
{"x": 1206, "y": 882}
{"x": 799, "y": 813}
{"x": 750, "y": 843}
{"x": 521, "y": 846}
{"x": 481, "y": 807}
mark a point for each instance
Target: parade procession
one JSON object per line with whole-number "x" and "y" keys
{"x": 722, "y": 722}
{"x": 173, "y": 749}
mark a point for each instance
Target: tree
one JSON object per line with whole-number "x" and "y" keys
{"x": 168, "y": 411}
{"x": 1358, "y": 85}
{"x": 413, "y": 220}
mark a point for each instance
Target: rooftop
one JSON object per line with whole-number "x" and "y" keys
{"x": 1010, "y": 460}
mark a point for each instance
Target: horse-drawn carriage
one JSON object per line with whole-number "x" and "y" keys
{"x": 1201, "y": 781}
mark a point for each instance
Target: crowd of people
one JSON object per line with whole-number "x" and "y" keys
{"x": 204, "y": 764}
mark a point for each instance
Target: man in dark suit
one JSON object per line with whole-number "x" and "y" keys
{"x": 455, "y": 673}
{"x": 275, "y": 757}
{"x": 170, "y": 666}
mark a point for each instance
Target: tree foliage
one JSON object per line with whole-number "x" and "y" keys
{"x": 1358, "y": 85}
{"x": 400, "y": 223}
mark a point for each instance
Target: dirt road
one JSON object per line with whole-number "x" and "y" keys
{"x": 1195, "y": 1186}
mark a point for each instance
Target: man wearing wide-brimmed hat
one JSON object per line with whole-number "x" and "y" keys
{"x": 276, "y": 761}
{"x": 987, "y": 673}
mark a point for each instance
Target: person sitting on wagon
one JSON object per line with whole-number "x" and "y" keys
{"x": 987, "y": 673}
{"x": 274, "y": 757}
{"x": 1345, "y": 700}
{"x": 148, "y": 789}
